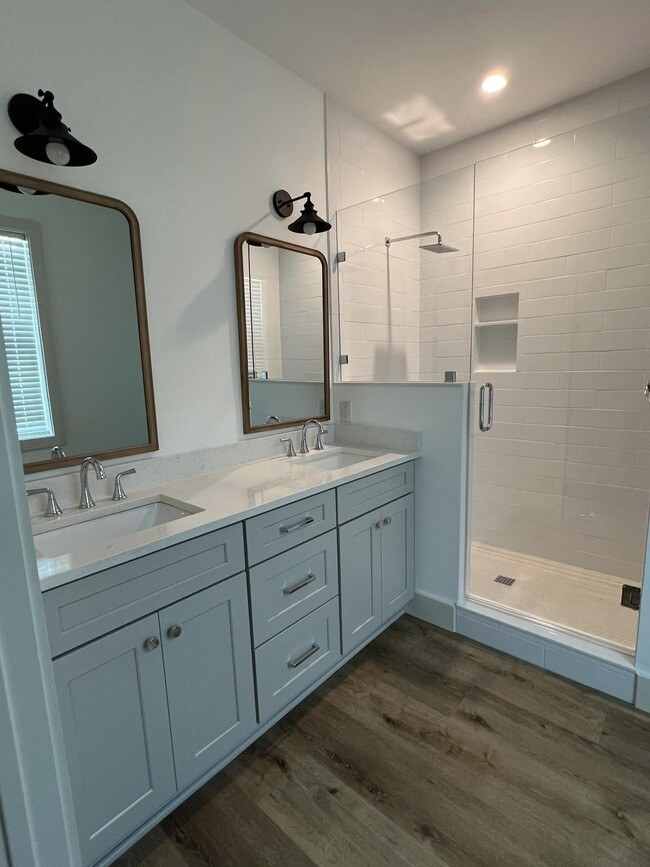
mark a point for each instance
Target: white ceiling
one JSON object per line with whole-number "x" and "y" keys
{"x": 414, "y": 67}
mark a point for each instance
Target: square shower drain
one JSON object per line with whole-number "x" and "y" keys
{"x": 503, "y": 579}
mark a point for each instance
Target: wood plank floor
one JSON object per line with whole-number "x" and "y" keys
{"x": 427, "y": 749}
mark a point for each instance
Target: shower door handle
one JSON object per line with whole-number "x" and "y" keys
{"x": 481, "y": 407}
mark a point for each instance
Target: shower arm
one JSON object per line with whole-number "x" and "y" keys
{"x": 390, "y": 241}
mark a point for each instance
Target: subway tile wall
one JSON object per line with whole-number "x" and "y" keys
{"x": 379, "y": 288}
{"x": 301, "y": 317}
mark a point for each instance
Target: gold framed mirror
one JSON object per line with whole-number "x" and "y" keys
{"x": 283, "y": 318}
{"x": 73, "y": 319}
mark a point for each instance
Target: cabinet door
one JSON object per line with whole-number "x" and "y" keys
{"x": 116, "y": 730}
{"x": 397, "y": 549}
{"x": 360, "y": 579}
{"x": 209, "y": 671}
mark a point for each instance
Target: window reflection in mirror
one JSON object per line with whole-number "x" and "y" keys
{"x": 73, "y": 323}
{"x": 282, "y": 303}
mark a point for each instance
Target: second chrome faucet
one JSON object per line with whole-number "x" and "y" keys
{"x": 86, "y": 501}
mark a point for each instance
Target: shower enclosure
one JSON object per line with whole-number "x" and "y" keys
{"x": 545, "y": 307}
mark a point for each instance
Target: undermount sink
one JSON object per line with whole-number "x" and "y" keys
{"x": 336, "y": 460}
{"x": 100, "y": 527}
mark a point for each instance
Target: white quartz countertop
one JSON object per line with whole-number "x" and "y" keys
{"x": 224, "y": 497}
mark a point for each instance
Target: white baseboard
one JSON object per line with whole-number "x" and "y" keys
{"x": 439, "y": 612}
{"x": 604, "y": 675}
{"x": 642, "y": 697}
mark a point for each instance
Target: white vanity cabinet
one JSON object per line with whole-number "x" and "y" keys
{"x": 188, "y": 666}
{"x": 209, "y": 676}
{"x": 116, "y": 730}
{"x": 376, "y": 553}
{"x": 169, "y": 664}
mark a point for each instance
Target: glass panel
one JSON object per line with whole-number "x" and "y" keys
{"x": 561, "y": 329}
{"x": 405, "y": 306}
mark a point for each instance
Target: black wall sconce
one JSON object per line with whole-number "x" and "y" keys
{"x": 308, "y": 223}
{"x": 44, "y": 135}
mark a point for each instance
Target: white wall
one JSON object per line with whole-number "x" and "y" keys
{"x": 190, "y": 125}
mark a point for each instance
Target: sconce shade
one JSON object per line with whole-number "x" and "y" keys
{"x": 308, "y": 223}
{"x": 45, "y": 137}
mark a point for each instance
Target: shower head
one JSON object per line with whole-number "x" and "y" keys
{"x": 438, "y": 248}
{"x": 432, "y": 248}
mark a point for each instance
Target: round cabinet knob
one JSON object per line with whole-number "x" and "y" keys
{"x": 387, "y": 520}
{"x": 379, "y": 525}
{"x": 152, "y": 643}
{"x": 174, "y": 631}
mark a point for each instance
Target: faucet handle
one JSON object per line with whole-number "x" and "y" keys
{"x": 291, "y": 452}
{"x": 118, "y": 491}
{"x": 319, "y": 438}
{"x": 52, "y": 509}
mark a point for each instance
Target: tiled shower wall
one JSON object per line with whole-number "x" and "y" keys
{"x": 564, "y": 230}
{"x": 380, "y": 288}
{"x": 447, "y": 206}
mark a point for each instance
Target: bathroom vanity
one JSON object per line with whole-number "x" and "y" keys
{"x": 177, "y": 646}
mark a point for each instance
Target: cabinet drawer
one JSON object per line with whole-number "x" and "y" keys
{"x": 289, "y": 663}
{"x": 371, "y": 492}
{"x": 289, "y": 586}
{"x": 85, "y": 609}
{"x": 288, "y": 526}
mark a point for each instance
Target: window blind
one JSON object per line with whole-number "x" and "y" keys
{"x": 21, "y": 330}
{"x": 258, "y": 361}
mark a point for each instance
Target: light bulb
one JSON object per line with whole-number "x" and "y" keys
{"x": 26, "y": 191}
{"x": 494, "y": 83}
{"x": 309, "y": 228}
{"x": 57, "y": 153}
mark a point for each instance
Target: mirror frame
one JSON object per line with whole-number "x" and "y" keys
{"x": 141, "y": 308}
{"x": 241, "y": 322}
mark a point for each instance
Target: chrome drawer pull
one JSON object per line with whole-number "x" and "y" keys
{"x": 294, "y": 663}
{"x": 304, "y": 523}
{"x": 294, "y": 587}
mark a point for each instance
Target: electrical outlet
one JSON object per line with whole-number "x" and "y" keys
{"x": 345, "y": 411}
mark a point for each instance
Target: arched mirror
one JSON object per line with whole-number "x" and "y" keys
{"x": 283, "y": 315}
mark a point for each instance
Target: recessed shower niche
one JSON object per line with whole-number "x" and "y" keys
{"x": 495, "y": 332}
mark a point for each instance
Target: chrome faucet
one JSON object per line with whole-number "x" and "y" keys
{"x": 119, "y": 493}
{"x": 52, "y": 509}
{"x": 86, "y": 501}
{"x": 319, "y": 436}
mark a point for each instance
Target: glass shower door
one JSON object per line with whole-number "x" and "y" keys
{"x": 560, "y": 357}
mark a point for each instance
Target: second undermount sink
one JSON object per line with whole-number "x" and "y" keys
{"x": 107, "y": 525}
{"x": 331, "y": 459}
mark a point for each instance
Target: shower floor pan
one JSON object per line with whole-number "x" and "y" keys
{"x": 584, "y": 603}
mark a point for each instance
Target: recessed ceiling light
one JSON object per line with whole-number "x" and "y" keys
{"x": 494, "y": 83}
{"x": 542, "y": 143}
